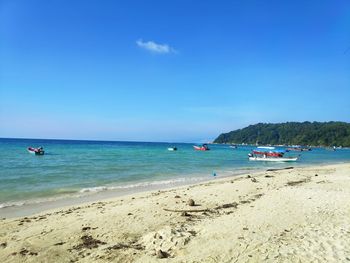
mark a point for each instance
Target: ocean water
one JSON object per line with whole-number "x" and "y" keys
{"x": 77, "y": 168}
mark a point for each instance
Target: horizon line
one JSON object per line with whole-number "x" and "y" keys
{"x": 91, "y": 140}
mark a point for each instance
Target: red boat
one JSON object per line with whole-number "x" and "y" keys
{"x": 204, "y": 147}
{"x": 36, "y": 151}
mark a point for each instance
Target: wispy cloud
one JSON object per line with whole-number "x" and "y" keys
{"x": 155, "y": 47}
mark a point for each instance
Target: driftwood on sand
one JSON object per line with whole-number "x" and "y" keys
{"x": 186, "y": 210}
{"x": 230, "y": 205}
{"x": 278, "y": 169}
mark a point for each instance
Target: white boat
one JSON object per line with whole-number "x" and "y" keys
{"x": 172, "y": 149}
{"x": 36, "y": 151}
{"x": 273, "y": 159}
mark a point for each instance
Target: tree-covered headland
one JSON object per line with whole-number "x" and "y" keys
{"x": 291, "y": 133}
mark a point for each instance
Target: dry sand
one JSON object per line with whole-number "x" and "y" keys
{"x": 296, "y": 215}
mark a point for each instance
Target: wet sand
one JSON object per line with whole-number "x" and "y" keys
{"x": 292, "y": 215}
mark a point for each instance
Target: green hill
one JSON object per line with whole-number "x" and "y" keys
{"x": 291, "y": 133}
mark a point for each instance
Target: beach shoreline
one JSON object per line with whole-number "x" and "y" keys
{"x": 283, "y": 215}
{"x": 31, "y": 207}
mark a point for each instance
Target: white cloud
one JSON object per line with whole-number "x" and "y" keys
{"x": 154, "y": 47}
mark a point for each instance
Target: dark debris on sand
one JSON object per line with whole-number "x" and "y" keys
{"x": 230, "y": 205}
{"x": 25, "y": 252}
{"x": 293, "y": 183}
{"x": 3, "y": 245}
{"x": 125, "y": 246}
{"x": 162, "y": 254}
{"x": 254, "y": 180}
{"x": 59, "y": 243}
{"x": 89, "y": 242}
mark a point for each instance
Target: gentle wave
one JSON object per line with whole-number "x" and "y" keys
{"x": 91, "y": 190}
{"x": 5, "y": 205}
{"x": 142, "y": 185}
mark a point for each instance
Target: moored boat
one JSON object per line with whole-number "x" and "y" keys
{"x": 36, "y": 151}
{"x": 204, "y": 147}
{"x": 172, "y": 149}
{"x": 270, "y": 154}
{"x": 298, "y": 149}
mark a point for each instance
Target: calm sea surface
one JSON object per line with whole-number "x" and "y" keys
{"x": 74, "y": 168}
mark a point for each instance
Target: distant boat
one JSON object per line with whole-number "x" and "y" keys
{"x": 298, "y": 149}
{"x": 172, "y": 149}
{"x": 36, "y": 151}
{"x": 269, "y": 154}
{"x": 331, "y": 148}
{"x": 233, "y": 146}
{"x": 204, "y": 147}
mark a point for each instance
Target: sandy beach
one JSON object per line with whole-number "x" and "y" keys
{"x": 291, "y": 215}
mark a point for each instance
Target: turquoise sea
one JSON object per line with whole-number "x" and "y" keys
{"x": 76, "y": 168}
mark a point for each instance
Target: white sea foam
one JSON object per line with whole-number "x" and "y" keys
{"x": 142, "y": 184}
{"x": 34, "y": 201}
{"x": 94, "y": 189}
{"x": 125, "y": 187}
{"x": 11, "y": 204}
{"x": 91, "y": 190}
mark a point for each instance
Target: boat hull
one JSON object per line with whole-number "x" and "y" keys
{"x": 33, "y": 151}
{"x": 283, "y": 159}
{"x": 197, "y": 148}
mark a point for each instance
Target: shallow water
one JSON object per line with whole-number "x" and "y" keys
{"x": 77, "y": 168}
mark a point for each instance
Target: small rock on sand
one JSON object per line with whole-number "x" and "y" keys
{"x": 3, "y": 245}
{"x": 185, "y": 214}
{"x": 162, "y": 254}
{"x": 190, "y": 202}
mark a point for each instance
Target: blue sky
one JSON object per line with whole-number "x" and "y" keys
{"x": 169, "y": 70}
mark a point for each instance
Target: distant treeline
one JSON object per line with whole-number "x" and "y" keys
{"x": 291, "y": 133}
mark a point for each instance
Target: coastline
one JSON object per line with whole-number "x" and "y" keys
{"x": 299, "y": 214}
{"x": 99, "y": 193}
{"x": 95, "y": 194}
{"x": 95, "y": 170}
